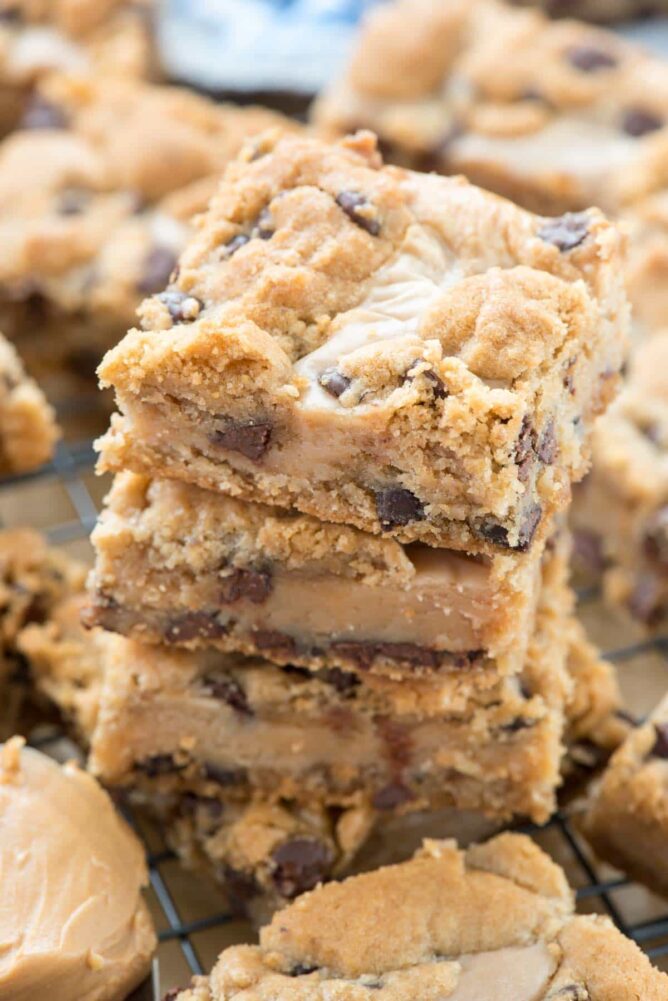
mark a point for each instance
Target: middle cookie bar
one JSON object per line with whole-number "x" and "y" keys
{"x": 181, "y": 565}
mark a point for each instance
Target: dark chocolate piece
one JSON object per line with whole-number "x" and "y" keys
{"x": 251, "y": 438}
{"x": 397, "y": 506}
{"x": 352, "y": 202}
{"x": 299, "y": 865}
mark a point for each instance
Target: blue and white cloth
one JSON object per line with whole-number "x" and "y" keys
{"x": 256, "y": 45}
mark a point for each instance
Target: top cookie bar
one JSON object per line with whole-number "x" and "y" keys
{"x": 556, "y": 115}
{"x": 401, "y": 352}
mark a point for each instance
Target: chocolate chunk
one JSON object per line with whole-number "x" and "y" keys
{"x": 547, "y": 445}
{"x": 644, "y": 603}
{"x": 352, "y": 202}
{"x": 334, "y": 382}
{"x": 397, "y": 506}
{"x": 398, "y": 743}
{"x": 238, "y": 241}
{"x": 590, "y": 59}
{"x": 655, "y": 542}
{"x": 227, "y": 689}
{"x": 250, "y": 438}
{"x": 438, "y": 388}
{"x": 518, "y": 724}
{"x": 391, "y": 796}
{"x": 567, "y": 231}
{"x": 264, "y": 229}
{"x": 240, "y": 887}
{"x": 343, "y": 681}
{"x": 158, "y": 764}
{"x": 73, "y": 201}
{"x": 273, "y": 640}
{"x": 301, "y": 970}
{"x": 181, "y": 307}
{"x": 660, "y": 748}
{"x": 299, "y": 865}
{"x": 224, "y": 776}
{"x": 193, "y": 626}
{"x": 498, "y": 534}
{"x": 637, "y": 122}
{"x": 43, "y": 114}
{"x": 525, "y": 450}
{"x": 157, "y": 267}
{"x": 255, "y": 585}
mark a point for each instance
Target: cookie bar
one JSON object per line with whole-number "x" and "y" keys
{"x": 627, "y": 819}
{"x": 96, "y": 196}
{"x": 28, "y": 430}
{"x": 557, "y": 115}
{"x": 623, "y": 505}
{"x": 38, "y": 37}
{"x": 34, "y": 580}
{"x": 181, "y": 565}
{"x": 493, "y": 921}
{"x": 399, "y": 352}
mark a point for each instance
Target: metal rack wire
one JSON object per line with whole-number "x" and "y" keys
{"x": 199, "y": 933}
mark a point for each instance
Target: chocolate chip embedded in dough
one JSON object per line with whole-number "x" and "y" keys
{"x": 43, "y": 114}
{"x": 364, "y": 653}
{"x": 236, "y": 243}
{"x": 344, "y": 682}
{"x": 241, "y": 888}
{"x": 224, "y": 776}
{"x": 391, "y": 796}
{"x": 273, "y": 640}
{"x": 182, "y": 308}
{"x": 255, "y": 585}
{"x": 250, "y": 438}
{"x": 590, "y": 58}
{"x": 158, "y": 764}
{"x": 499, "y": 534}
{"x": 334, "y": 382}
{"x": 227, "y": 689}
{"x": 302, "y": 970}
{"x": 567, "y": 231}
{"x": 655, "y": 541}
{"x": 194, "y": 625}
{"x": 547, "y": 447}
{"x": 525, "y": 450}
{"x": 299, "y": 865}
{"x": 660, "y": 747}
{"x": 264, "y": 228}
{"x": 352, "y": 203}
{"x": 637, "y": 122}
{"x": 397, "y": 506}
{"x": 156, "y": 269}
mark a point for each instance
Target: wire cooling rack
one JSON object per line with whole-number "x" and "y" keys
{"x": 63, "y": 498}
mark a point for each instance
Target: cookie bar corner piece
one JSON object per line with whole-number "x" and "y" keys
{"x": 400, "y": 352}
{"x": 501, "y": 912}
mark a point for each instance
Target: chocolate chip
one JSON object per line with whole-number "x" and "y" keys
{"x": 637, "y": 122}
{"x": 644, "y": 603}
{"x": 264, "y": 229}
{"x": 192, "y": 626}
{"x": 344, "y": 682}
{"x": 352, "y": 202}
{"x": 499, "y": 534}
{"x": 302, "y": 970}
{"x": 182, "y": 308}
{"x": 572, "y": 992}
{"x": 391, "y": 796}
{"x": 518, "y": 724}
{"x": 660, "y": 748}
{"x": 224, "y": 776}
{"x": 73, "y": 201}
{"x": 255, "y": 585}
{"x": 438, "y": 388}
{"x": 227, "y": 689}
{"x": 238, "y": 241}
{"x": 397, "y": 506}
{"x": 271, "y": 639}
{"x": 334, "y": 382}
{"x": 299, "y": 865}
{"x": 250, "y": 438}
{"x": 43, "y": 114}
{"x": 158, "y": 764}
{"x": 589, "y": 58}
{"x": 241, "y": 888}
{"x": 157, "y": 266}
{"x": 567, "y": 231}
{"x": 655, "y": 542}
{"x": 525, "y": 450}
{"x": 547, "y": 445}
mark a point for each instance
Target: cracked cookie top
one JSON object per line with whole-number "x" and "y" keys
{"x": 494, "y": 921}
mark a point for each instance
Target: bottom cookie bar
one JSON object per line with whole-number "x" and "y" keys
{"x": 28, "y": 430}
{"x": 627, "y": 819}
{"x": 493, "y": 922}
{"x": 622, "y": 508}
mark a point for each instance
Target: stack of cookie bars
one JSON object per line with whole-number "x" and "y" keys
{"x": 333, "y": 550}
